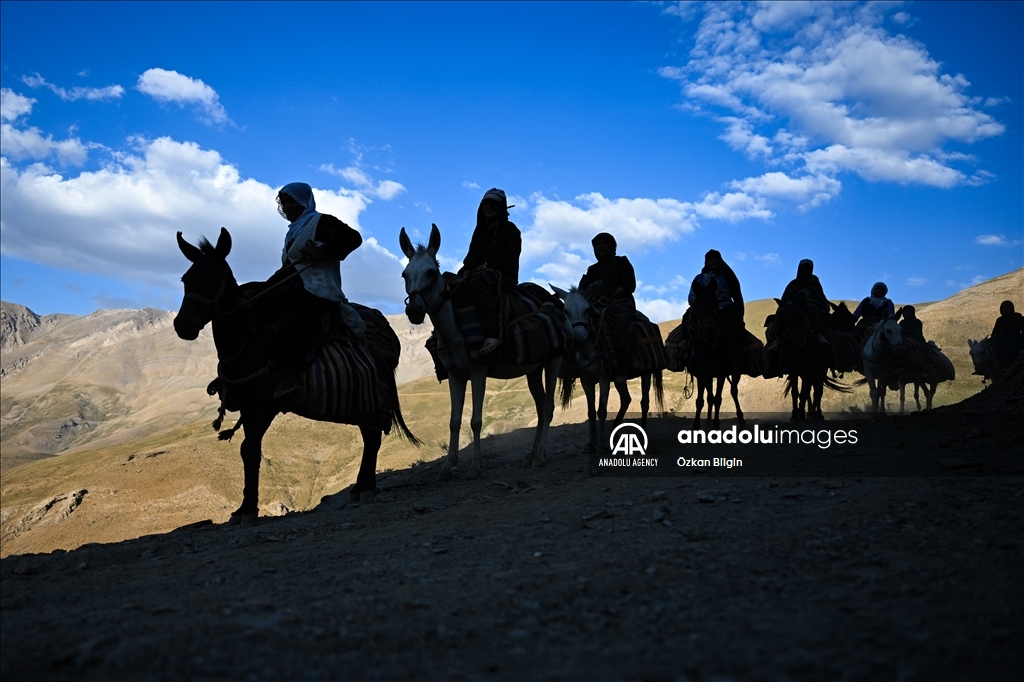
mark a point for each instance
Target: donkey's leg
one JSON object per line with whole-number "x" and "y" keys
{"x": 366, "y": 480}
{"x": 476, "y": 421}
{"x": 588, "y": 389}
{"x": 716, "y": 401}
{"x": 645, "y": 398}
{"x": 535, "y": 382}
{"x": 929, "y": 394}
{"x": 546, "y": 411}
{"x": 699, "y": 402}
{"x": 734, "y": 391}
{"x": 457, "y": 392}
{"x": 256, "y": 424}
{"x": 794, "y": 395}
{"x": 602, "y": 411}
{"x": 622, "y": 388}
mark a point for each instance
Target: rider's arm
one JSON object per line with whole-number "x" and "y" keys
{"x": 337, "y": 238}
{"x": 627, "y": 279}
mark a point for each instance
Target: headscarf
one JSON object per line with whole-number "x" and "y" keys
{"x": 805, "y": 269}
{"x": 303, "y": 194}
{"x": 1006, "y": 308}
{"x": 878, "y": 292}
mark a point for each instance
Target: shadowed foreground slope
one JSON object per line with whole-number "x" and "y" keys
{"x": 908, "y": 568}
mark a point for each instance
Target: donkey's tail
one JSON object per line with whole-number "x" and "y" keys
{"x": 838, "y": 386}
{"x": 396, "y": 415}
{"x": 659, "y": 390}
{"x": 568, "y": 383}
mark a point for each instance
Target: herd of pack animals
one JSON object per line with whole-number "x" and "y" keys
{"x": 548, "y": 338}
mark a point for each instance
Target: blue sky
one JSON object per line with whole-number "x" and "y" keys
{"x": 881, "y": 140}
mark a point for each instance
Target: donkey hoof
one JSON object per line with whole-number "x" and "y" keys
{"x": 244, "y": 519}
{"x": 367, "y": 495}
{"x": 473, "y": 473}
{"x": 444, "y": 475}
{"x": 539, "y": 463}
{"x": 589, "y": 449}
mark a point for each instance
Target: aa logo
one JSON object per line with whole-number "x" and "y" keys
{"x": 628, "y": 439}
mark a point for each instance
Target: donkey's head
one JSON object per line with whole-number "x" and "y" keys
{"x": 210, "y": 288}
{"x": 422, "y": 276}
{"x": 577, "y": 313}
{"x": 892, "y": 333}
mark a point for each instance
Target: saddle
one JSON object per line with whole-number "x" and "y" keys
{"x": 531, "y": 321}
{"x": 647, "y": 352}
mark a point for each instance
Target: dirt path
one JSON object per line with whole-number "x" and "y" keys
{"x": 557, "y": 574}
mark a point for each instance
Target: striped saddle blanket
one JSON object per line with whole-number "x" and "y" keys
{"x": 648, "y": 352}
{"x": 342, "y": 384}
{"x": 532, "y": 322}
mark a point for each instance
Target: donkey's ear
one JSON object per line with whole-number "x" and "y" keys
{"x": 191, "y": 252}
{"x": 560, "y": 293}
{"x": 435, "y": 240}
{"x": 403, "y": 241}
{"x": 223, "y": 247}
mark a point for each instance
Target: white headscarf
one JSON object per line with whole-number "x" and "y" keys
{"x": 303, "y": 194}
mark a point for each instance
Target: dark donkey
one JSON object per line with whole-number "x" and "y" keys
{"x": 714, "y": 359}
{"x": 213, "y": 294}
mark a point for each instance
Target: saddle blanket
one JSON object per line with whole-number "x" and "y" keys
{"x": 648, "y": 350}
{"x": 677, "y": 349}
{"x": 533, "y": 324}
{"x": 342, "y": 384}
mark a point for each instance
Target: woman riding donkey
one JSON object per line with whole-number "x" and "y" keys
{"x": 727, "y": 293}
{"x": 492, "y": 264}
{"x": 874, "y": 309}
{"x": 305, "y": 309}
{"x": 609, "y": 285}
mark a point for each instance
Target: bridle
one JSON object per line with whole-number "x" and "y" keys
{"x": 446, "y": 293}
{"x": 212, "y": 303}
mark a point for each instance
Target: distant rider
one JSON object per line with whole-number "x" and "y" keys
{"x": 875, "y": 308}
{"x": 609, "y": 283}
{"x": 1008, "y": 334}
{"x": 727, "y": 291}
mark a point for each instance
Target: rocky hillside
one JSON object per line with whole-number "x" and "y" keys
{"x": 114, "y": 376}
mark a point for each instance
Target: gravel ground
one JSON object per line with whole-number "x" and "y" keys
{"x": 905, "y": 565}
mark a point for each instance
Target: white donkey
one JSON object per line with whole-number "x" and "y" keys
{"x": 429, "y": 295}
{"x": 591, "y": 369}
{"x": 879, "y": 356}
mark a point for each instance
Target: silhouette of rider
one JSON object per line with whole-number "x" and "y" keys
{"x": 910, "y": 325}
{"x": 609, "y": 284}
{"x": 727, "y": 291}
{"x": 314, "y": 246}
{"x": 876, "y": 307}
{"x": 1008, "y": 334}
{"x": 492, "y": 264}
{"x": 805, "y": 291}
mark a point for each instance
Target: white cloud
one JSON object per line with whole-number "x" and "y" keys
{"x": 825, "y": 87}
{"x": 807, "y": 191}
{"x": 661, "y": 309}
{"x": 769, "y": 259}
{"x": 120, "y": 221}
{"x": 13, "y": 105}
{"x": 78, "y": 92}
{"x": 20, "y": 143}
{"x": 636, "y": 223}
{"x": 355, "y": 174}
{"x": 470, "y": 185}
{"x": 994, "y": 240}
{"x": 916, "y": 281}
{"x": 171, "y": 86}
